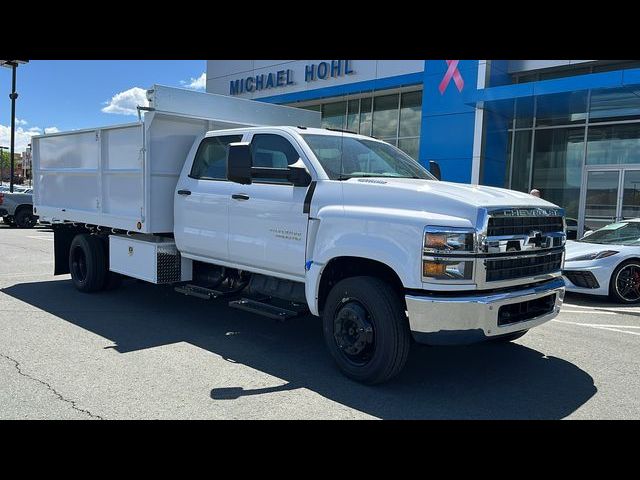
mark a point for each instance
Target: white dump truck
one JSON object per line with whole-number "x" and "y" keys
{"x": 221, "y": 197}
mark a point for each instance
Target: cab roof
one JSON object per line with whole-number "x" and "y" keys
{"x": 300, "y": 130}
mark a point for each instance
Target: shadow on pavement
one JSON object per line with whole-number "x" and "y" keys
{"x": 482, "y": 381}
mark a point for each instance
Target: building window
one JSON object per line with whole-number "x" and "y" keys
{"x": 548, "y": 135}
{"x": 334, "y": 115}
{"x": 557, "y": 166}
{"x": 614, "y": 144}
{"x": 385, "y": 117}
{"x": 394, "y": 118}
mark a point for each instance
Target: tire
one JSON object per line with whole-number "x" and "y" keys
{"x": 366, "y": 329}
{"x": 24, "y": 219}
{"x": 87, "y": 263}
{"x": 626, "y": 275}
{"x": 509, "y": 337}
{"x": 9, "y": 221}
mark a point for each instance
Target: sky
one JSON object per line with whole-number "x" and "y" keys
{"x": 59, "y": 95}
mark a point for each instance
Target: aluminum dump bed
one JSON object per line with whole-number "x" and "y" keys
{"x": 124, "y": 176}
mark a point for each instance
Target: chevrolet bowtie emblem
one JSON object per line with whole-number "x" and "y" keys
{"x": 536, "y": 238}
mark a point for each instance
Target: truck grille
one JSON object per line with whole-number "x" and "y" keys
{"x": 500, "y": 226}
{"x": 519, "y": 267}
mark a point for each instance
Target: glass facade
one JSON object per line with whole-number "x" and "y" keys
{"x": 392, "y": 117}
{"x": 581, "y": 150}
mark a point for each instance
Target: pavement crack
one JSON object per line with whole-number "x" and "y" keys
{"x": 50, "y": 388}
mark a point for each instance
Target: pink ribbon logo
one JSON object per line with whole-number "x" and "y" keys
{"x": 452, "y": 72}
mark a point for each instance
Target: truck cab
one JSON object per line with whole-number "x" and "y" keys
{"x": 465, "y": 262}
{"x": 344, "y": 226}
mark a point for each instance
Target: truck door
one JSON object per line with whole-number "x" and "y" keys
{"x": 267, "y": 226}
{"x": 201, "y": 207}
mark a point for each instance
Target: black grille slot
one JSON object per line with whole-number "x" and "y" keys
{"x": 499, "y": 226}
{"x": 582, "y": 279}
{"x": 519, "y": 312}
{"x": 509, "y": 268}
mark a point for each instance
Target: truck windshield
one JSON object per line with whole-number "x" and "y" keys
{"x": 622, "y": 233}
{"x": 345, "y": 157}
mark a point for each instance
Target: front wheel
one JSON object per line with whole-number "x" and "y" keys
{"x": 366, "y": 329}
{"x": 624, "y": 286}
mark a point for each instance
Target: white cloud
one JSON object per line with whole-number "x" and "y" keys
{"x": 199, "y": 83}
{"x": 51, "y": 130}
{"x": 20, "y": 121}
{"x": 125, "y": 103}
{"x": 22, "y": 138}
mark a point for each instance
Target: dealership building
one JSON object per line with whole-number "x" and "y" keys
{"x": 570, "y": 128}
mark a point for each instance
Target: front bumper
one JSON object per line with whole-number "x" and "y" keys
{"x": 451, "y": 320}
{"x": 601, "y": 269}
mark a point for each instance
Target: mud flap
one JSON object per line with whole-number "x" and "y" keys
{"x": 62, "y": 238}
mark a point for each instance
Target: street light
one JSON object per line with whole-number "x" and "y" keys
{"x": 13, "y": 65}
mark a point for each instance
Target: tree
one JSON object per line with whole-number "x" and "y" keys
{"x": 5, "y": 164}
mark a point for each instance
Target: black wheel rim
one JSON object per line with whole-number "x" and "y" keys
{"x": 79, "y": 264}
{"x": 353, "y": 333}
{"x": 628, "y": 283}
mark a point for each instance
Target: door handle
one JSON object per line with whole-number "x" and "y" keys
{"x": 240, "y": 196}
{"x": 184, "y": 192}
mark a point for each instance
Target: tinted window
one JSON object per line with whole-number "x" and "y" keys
{"x": 211, "y": 160}
{"x": 272, "y": 151}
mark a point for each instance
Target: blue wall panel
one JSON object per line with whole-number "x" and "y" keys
{"x": 448, "y": 121}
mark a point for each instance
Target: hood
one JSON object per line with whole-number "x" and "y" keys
{"x": 575, "y": 249}
{"x": 445, "y": 198}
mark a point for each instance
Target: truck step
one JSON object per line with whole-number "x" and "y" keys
{"x": 270, "y": 310}
{"x": 203, "y": 292}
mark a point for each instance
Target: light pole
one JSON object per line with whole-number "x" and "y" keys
{"x": 13, "y": 64}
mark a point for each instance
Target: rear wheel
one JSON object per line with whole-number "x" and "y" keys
{"x": 366, "y": 329}
{"x": 24, "y": 219}
{"x": 624, "y": 286}
{"x": 87, "y": 263}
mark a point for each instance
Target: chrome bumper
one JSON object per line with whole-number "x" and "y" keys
{"x": 440, "y": 320}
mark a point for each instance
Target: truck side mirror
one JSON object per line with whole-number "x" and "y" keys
{"x": 434, "y": 168}
{"x": 298, "y": 174}
{"x": 239, "y": 163}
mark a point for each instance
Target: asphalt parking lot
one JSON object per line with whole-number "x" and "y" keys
{"x": 145, "y": 352}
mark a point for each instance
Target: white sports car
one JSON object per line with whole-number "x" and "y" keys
{"x": 606, "y": 262}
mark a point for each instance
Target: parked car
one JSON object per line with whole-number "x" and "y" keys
{"x": 606, "y": 262}
{"x": 16, "y": 209}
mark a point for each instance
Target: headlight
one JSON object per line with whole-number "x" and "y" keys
{"x": 447, "y": 269}
{"x": 448, "y": 240}
{"x": 593, "y": 256}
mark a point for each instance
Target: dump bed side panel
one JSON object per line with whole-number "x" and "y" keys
{"x": 90, "y": 176}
